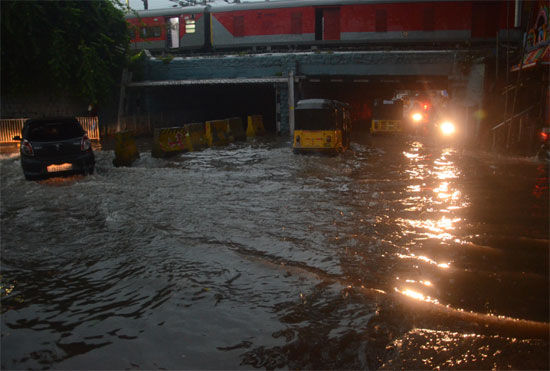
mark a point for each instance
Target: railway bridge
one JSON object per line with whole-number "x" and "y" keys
{"x": 350, "y": 50}
{"x": 176, "y": 90}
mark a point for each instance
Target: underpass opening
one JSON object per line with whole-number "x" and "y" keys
{"x": 176, "y": 105}
{"x": 361, "y": 91}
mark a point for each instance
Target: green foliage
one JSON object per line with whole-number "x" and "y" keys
{"x": 166, "y": 59}
{"x": 136, "y": 65}
{"x": 62, "y": 47}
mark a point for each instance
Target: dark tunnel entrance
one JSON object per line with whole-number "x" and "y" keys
{"x": 174, "y": 106}
{"x": 360, "y": 92}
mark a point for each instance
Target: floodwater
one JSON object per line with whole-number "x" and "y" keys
{"x": 396, "y": 254}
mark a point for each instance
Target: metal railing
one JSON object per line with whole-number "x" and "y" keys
{"x": 512, "y": 130}
{"x": 12, "y": 127}
{"x": 90, "y": 125}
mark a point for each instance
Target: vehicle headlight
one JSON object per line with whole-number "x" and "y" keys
{"x": 416, "y": 117}
{"x": 447, "y": 128}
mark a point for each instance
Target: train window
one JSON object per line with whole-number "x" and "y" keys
{"x": 149, "y": 32}
{"x": 381, "y": 21}
{"x": 296, "y": 23}
{"x": 190, "y": 26}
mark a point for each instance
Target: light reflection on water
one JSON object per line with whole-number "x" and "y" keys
{"x": 442, "y": 350}
{"x": 437, "y": 196}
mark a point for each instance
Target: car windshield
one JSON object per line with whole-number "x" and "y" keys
{"x": 53, "y": 131}
{"x": 315, "y": 119}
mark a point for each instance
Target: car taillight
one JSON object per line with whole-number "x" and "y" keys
{"x": 85, "y": 144}
{"x": 543, "y": 135}
{"x": 26, "y": 148}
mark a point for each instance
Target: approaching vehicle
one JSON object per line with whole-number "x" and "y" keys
{"x": 55, "y": 146}
{"x": 322, "y": 125}
{"x": 417, "y": 116}
{"x": 387, "y": 117}
{"x": 320, "y": 23}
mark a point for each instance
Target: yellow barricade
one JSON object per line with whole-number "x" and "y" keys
{"x": 170, "y": 140}
{"x": 196, "y": 134}
{"x": 235, "y": 127}
{"x": 126, "y": 151}
{"x": 217, "y": 133}
{"x": 386, "y": 126}
{"x": 255, "y": 126}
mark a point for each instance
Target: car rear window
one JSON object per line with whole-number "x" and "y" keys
{"x": 52, "y": 131}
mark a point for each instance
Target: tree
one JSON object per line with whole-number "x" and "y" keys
{"x": 62, "y": 47}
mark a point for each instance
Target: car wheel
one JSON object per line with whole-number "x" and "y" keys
{"x": 90, "y": 170}
{"x": 30, "y": 177}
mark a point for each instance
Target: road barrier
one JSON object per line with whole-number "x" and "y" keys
{"x": 12, "y": 127}
{"x": 235, "y": 126}
{"x": 126, "y": 151}
{"x": 217, "y": 133}
{"x": 189, "y": 137}
{"x": 170, "y": 141}
{"x": 197, "y": 138}
{"x": 255, "y": 126}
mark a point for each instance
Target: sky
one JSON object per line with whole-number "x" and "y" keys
{"x": 153, "y": 4}
{"x": 161, "y": 4}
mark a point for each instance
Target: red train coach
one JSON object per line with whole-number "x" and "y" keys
{"x": 326, "y": 22}
{"x": 169, "y": 29}
{"x": 344, "y": 22}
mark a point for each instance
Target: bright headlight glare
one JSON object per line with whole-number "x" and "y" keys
{"x": 447, "y": 128}
{"x": 417, "y": 117}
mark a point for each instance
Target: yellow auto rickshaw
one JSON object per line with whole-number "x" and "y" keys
{"x": 321, "y": 125}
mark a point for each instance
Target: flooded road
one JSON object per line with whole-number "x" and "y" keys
{"x": 396, "y": 254}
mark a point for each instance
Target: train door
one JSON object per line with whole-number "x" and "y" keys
{"x": 173, "y": 33}
{"x": 327, "y": 24}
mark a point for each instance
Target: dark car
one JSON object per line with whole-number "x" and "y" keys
{"x": 55, "y": 146}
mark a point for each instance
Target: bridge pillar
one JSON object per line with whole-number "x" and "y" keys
{"x": 291, "y": 102}
{"x": 282, "y": 91}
